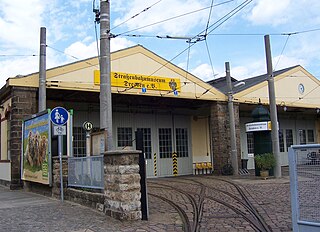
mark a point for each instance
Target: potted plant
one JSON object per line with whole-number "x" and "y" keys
{"x": 265, "y": 162}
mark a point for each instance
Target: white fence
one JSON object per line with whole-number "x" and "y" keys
{"x": 86, "y": 172}
{"x": 304, "y": 164}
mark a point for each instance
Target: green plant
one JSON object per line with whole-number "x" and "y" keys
{"x": 265, "y": 161}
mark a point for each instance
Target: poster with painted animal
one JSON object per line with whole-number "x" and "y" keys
{"x": 35, "y": 152}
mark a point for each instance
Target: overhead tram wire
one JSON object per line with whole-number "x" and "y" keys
{"x": 132, "y": 17}
{"x": 206, "y": 33}
{"x": 174, "y": 17}
{"x": 209, "y": 17}
{"x": 235, "y": 10}
{"x": 74, "y": 57}
{"x": 198, "y": 36}
{"x": 18, "y": 55}
{"x": 162, "y": 66}
{"x": 230, "y": 14}
{"x": 285, "y": 44}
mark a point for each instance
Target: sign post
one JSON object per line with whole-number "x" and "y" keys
{"x": 59, "y": 117}
{"x": 87, "y": 126}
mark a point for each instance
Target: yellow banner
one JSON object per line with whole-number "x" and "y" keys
{"x": 138, "y": 81}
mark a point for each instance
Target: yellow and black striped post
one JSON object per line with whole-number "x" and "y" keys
{"x": 174, "y": 164}
{"x": 155, "y": 164}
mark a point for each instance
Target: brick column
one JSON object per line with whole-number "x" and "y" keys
{"x": 56, "y": 176}
{"x": 23, "y": 104}
{"x": 122, "y": 185}
{"x": 220, "y": 134}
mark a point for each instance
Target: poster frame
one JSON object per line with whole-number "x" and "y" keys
{"x": 30, "y": 119}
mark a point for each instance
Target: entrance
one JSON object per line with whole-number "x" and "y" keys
{"x": 163, "y": 135}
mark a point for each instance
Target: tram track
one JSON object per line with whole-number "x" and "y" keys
{"x": 205, "y": 194}
{"x": 195, "y": 206}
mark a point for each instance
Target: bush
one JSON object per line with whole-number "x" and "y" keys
{"x": 265, "y": 161}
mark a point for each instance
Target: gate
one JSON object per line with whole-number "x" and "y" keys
{"x": 304, "y": 165}
{"x": 86, "y": 172}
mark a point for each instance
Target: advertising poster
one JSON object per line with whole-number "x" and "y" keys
{"x": 36, "y": 160}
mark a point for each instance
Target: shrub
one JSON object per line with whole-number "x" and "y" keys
{"x": 265, "y": 161}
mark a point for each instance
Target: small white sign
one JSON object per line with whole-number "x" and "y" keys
{"x": 258, "y": 126}
{"x": 59, "y": 130}
{"x": 87, "y": 126}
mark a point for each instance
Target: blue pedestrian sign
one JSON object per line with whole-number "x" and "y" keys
{"x": 59, "y": 116}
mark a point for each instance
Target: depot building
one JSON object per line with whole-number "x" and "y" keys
{"x": 177, "y": 112}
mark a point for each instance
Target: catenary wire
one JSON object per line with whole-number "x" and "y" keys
{"x": 208, "y": 22}
{"x": 230, "y": 14}
{"x": 163, "y": 65}
{"x": 3, "y": 55}
{"x": 132, "y": 17}
{"x": 74, "y": 57}
{"x": 285, "y": 44}
{"x": 174, "y": 17}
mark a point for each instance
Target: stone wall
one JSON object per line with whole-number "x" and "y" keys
{"x": 23, "y": 104}
{"x": 122, "y": 185}
{"x": 220, "y": 134}
{"x": 56, "y": 183}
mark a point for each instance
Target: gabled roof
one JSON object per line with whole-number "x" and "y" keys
{"x": 137, "y": 61}
{"x": 287, "y": 88}
{"x": 252, "y": 81}
{"x": 221, "y": 83}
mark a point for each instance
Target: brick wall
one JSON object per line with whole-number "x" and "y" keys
{"x": 220, "y": 134}
{"x": 23, "y": 104}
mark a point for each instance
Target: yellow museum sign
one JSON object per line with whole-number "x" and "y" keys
{"x": 138, "y": 81}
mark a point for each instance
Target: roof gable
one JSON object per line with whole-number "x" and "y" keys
{"x": 287, "y": 82}
{"x": 135, "y": 60}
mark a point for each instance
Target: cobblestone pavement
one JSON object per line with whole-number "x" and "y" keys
{"x": 22, "y": 211}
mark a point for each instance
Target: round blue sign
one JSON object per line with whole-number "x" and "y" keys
{"x": 59, "y": 116}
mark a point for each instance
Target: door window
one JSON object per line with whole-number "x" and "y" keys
{"x": 146, "y": 132}
{"x": 165, "y": 142}
{"x": 182, "y": 142}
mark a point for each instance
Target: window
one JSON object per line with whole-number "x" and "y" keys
{"x": 250, "y": 143}
{"x": 289, "y": 138}
{"x": 182, "y": 142}
{"x": 79, "y": 142}
{"x": 146, "y": 141}
{"x": 165, "y": 142}
{"x": 124, "y": 137}
{"x": 281, "y": 141}
{"x": 302, "y": 136}
{"x": 310, "y": 136}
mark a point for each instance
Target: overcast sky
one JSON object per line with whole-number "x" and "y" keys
{"x": 293, "y": 25}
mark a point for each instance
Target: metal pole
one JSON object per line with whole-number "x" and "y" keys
{"x": 273, "y": 109}
{"x": 105, "y": 69}
{"x": 42, "y": 71}
{"x": 233, "y": 140}
{"x": 60, "y": 161}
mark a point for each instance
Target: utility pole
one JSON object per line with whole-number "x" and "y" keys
{"x": 233, "y": 140}
{"x": 273, "y": 109}
{"x": 105, "y": 69}
{"x": 42, "y": 71}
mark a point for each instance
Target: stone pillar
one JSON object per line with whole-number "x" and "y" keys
{"x": 122, "y": 185}
{"x": 56, "y": 176}
{"x": 220, "y": 134}
{"x": 23, "y": 104}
